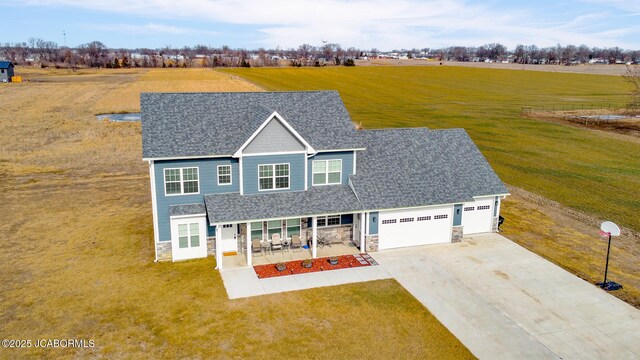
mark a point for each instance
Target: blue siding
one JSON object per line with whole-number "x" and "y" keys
{"x": 250, "y": 171}
{"x": 373, "y": 223}
{"x": 457, "y": 215}
{"x": 208, "y": 178}
{"x": 347, "y": 164}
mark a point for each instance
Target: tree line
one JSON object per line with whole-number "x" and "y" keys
{"x": 96, "y": 54}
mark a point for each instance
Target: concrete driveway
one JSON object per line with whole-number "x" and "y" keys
{"x": 504, "y": 302}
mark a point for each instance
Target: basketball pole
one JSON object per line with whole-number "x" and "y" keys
{"x": 606, "y": 267}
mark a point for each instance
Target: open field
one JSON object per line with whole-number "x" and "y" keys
{"x": 77, "y": 260}
{"x": 575, "y": 69}
{"x": 592, "y": 172}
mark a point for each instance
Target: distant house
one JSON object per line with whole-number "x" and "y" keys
{"x": 6, "y": 71}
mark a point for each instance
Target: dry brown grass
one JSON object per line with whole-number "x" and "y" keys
{"x": 77, "y": 259}
{"x": 570, "y": 239}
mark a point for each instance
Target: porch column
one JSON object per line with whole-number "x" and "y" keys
{"x": 314, "y": 237}
{"x": 218, "y": 247}
{"x": 249, "y": 249}
{"x": 363, "y": 241}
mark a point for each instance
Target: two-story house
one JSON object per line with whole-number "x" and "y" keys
{"x": 226, "y": 168}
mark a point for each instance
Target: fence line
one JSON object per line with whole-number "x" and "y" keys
{"x": 528, "y": 109}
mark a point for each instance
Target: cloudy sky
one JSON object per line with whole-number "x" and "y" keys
{"x": 384, "y": 25}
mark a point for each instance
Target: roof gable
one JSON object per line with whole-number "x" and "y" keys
{"x": 273, "y": 136}
{"x": 179, "y": 125}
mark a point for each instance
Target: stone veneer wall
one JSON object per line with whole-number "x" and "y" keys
{"x": 456, "y": 234}
{"x": 341, "y": 233}
{"x": 211, "y": 246}
{"x": 371, "y": 242}
{"x": 163, "y": 250}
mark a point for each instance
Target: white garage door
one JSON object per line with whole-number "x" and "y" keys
{"x": 401, "y": 228}
{"x": 476, "y": 216}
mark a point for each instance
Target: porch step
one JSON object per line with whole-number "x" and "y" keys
{"x": 365, "y": 259}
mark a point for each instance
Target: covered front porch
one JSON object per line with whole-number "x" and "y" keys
{"x": 280, "y": 240}
{"x": 284, "y": 226}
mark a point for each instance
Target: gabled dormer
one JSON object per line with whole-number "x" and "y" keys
{"x": 273, "y": 158}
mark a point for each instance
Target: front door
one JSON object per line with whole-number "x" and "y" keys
{"x": 228, "y": 241}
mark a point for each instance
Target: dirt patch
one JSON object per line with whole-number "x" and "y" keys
{"x": 616, "y": 122}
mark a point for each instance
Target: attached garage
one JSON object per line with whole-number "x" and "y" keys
{"x": 413, "y": 227}
{"x": 477, "y": 216}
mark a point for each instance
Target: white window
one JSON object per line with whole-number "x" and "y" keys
{"x": 293, "y": 227}
{"x": 327, "y": 172}
{"x": 331, "y": 220}
{"x": 273, "y": 176}
{"x": 181, "y": 181}
{"x": 256, "y": 230}
{"x": 274, "y": 227}
{"x": 224, "y": 174}
{"x": 188, "y": 235}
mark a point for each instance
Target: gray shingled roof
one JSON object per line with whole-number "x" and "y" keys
{"x": 317, "y": 200}
{"x": 187, "y": 209}
{"x": 207, "y": 124}
{"x": 418, "y": 167}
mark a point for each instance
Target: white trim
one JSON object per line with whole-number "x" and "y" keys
{"x": 275, "y": 153}
{"x": 486, "y": 196}
{"x": 249, "y": 246}
{"x": 363, "y": 236}
{"x": 354, "y": 162}
{"x": 218, "y": 247}
{"x": 340, "y": 150}
{"x": 314, "y": 237}
{"x": 187, "y": 157}
{"x": 326, "y": 172}
{"x": 241, "y": 182}
{"x": 154, "y": 207}
{"x": 230, "y": 175}
{"x": 277, "y": 116}
{"x": 273, "y": 177}
{"x": 186, "y": 216}
{"x": 164, "y": 175}
{"x": 306, "y": 173}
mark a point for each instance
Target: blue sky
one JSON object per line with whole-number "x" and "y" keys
{"x": 384, "y": 25}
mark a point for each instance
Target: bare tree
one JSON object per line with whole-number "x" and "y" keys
{"x": 632, "y": 76}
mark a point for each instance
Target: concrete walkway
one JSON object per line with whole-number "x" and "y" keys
{"x": 504, "y": 302}
{"x": 243, "y": 282}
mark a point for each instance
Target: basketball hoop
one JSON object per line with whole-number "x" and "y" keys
{"x": 604, "y": 235}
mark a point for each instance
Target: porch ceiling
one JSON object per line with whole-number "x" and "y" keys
{"x": 319, "y": 200}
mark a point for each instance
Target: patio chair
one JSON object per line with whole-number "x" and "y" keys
{"x": 276, "y": 242}
{"x": 266, "y": 245}
{"x": 296, "y": 242}
{"x": 256, "y": 247}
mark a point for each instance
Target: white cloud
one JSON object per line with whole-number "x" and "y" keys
{"x": 381, "y": 24}
{"x": 149, "y": 28}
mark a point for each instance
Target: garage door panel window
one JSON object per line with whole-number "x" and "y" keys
{"x": 438, "y": 217}
{"x": 470, "y": 208}
{"x": 424, "y": 218}
{"x": 404, "y": 220}
{"x": 484, "y": 207}
{"x": 389, "y": 221}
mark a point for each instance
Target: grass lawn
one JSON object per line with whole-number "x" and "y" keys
{"x": 591, "y": 172}
{"x": 77, "y": 259}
